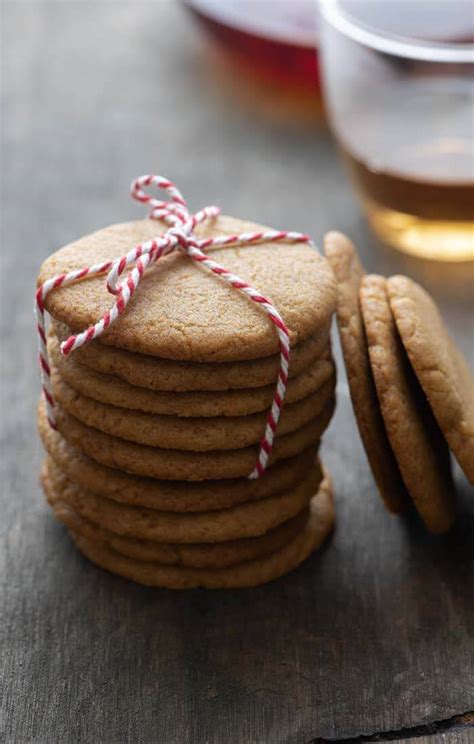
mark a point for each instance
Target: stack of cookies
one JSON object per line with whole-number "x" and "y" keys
{"x": 412, "y": 391}
{"x": 158, "y": 423}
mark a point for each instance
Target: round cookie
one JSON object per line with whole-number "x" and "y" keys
{"x": 421, "y": 452}
{"x": 111, "y": 389}
{"x": 196, "y": 434}
{"x": 198, "y": 555}
{"x": 155, "y": 462}
{"x": 348, "y": 271}
{"x": 250, "y": 573}
{"x": 176, "y": 496}
{"x": 246, "y": 520}
{"x": 439, "y": 365}
{"x": 183, "y": 311}
{"x": 167, "y": 375}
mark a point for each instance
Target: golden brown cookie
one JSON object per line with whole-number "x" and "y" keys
{"x": 348, "y": 271}
{"x": 198, "y": 555}
{"x": 174, "y": 432}
{"x": 111, "y": 389}
{"x": 250, "y": 573}
{"x": 168, "y": 495}
{"x": 183, "y": 311}
{"x": 421, "y": 452}
{"x": 439, "y": 365}
{"x": 245, "y": 520}
{"x": 154, "y": 462}
{"x": 167, "y": 375}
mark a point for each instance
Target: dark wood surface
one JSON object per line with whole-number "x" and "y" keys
{"x": 375, "y": 634}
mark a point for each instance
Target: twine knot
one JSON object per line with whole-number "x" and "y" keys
{"x": 179, "y": 236}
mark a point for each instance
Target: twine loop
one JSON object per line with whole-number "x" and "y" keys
{"x": 179, "y": 236}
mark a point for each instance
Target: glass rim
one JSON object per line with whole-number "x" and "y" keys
{"x": 394, "y": 44}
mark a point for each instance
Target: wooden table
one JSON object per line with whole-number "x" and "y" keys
{"x": 375, "y": 634}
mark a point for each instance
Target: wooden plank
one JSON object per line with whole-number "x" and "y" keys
{"x": 374, "y": 634}
{"x": 459, "y": 736}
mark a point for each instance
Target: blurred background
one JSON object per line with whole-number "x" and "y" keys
{"x": 226, "y": 99}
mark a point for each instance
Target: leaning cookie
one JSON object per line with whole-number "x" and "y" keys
{"x": 250, "y": 573}
{"x": 419, "y": 447}
{"x": 348, "y": 271}
{"x": 439, "y": 365}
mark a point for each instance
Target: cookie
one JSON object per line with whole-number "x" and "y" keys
{"x": 348, "y": 271}
{"x": 181, "y": 310}
{"x": 246, "y": 520}
{"x": 176, "y": 496}
{"x": 111, "y": 389}
{"x": 164, "y": 464}
{"x": 421, "y": 452}
{"x": 173, "y": 432}
{"x": 439, "y": 365}
{"x": 198, "y": 555}
{"x": 250, "y": 573}
{"x": 166, "y": 375}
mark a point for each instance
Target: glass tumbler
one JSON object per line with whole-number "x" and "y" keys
{"x": 399, "y": 92}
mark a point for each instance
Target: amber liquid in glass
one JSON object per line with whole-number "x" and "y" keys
{"x": 425, "y": 204}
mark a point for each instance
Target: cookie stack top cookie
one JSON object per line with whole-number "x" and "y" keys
{"x": 184, "y": 312}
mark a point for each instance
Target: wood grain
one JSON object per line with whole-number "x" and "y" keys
{"x": 375, "y": 633}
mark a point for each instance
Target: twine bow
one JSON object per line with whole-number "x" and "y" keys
{"x": 179, "y": 236}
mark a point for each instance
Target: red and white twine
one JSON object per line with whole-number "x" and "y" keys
{"x": 179, "y": 236}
